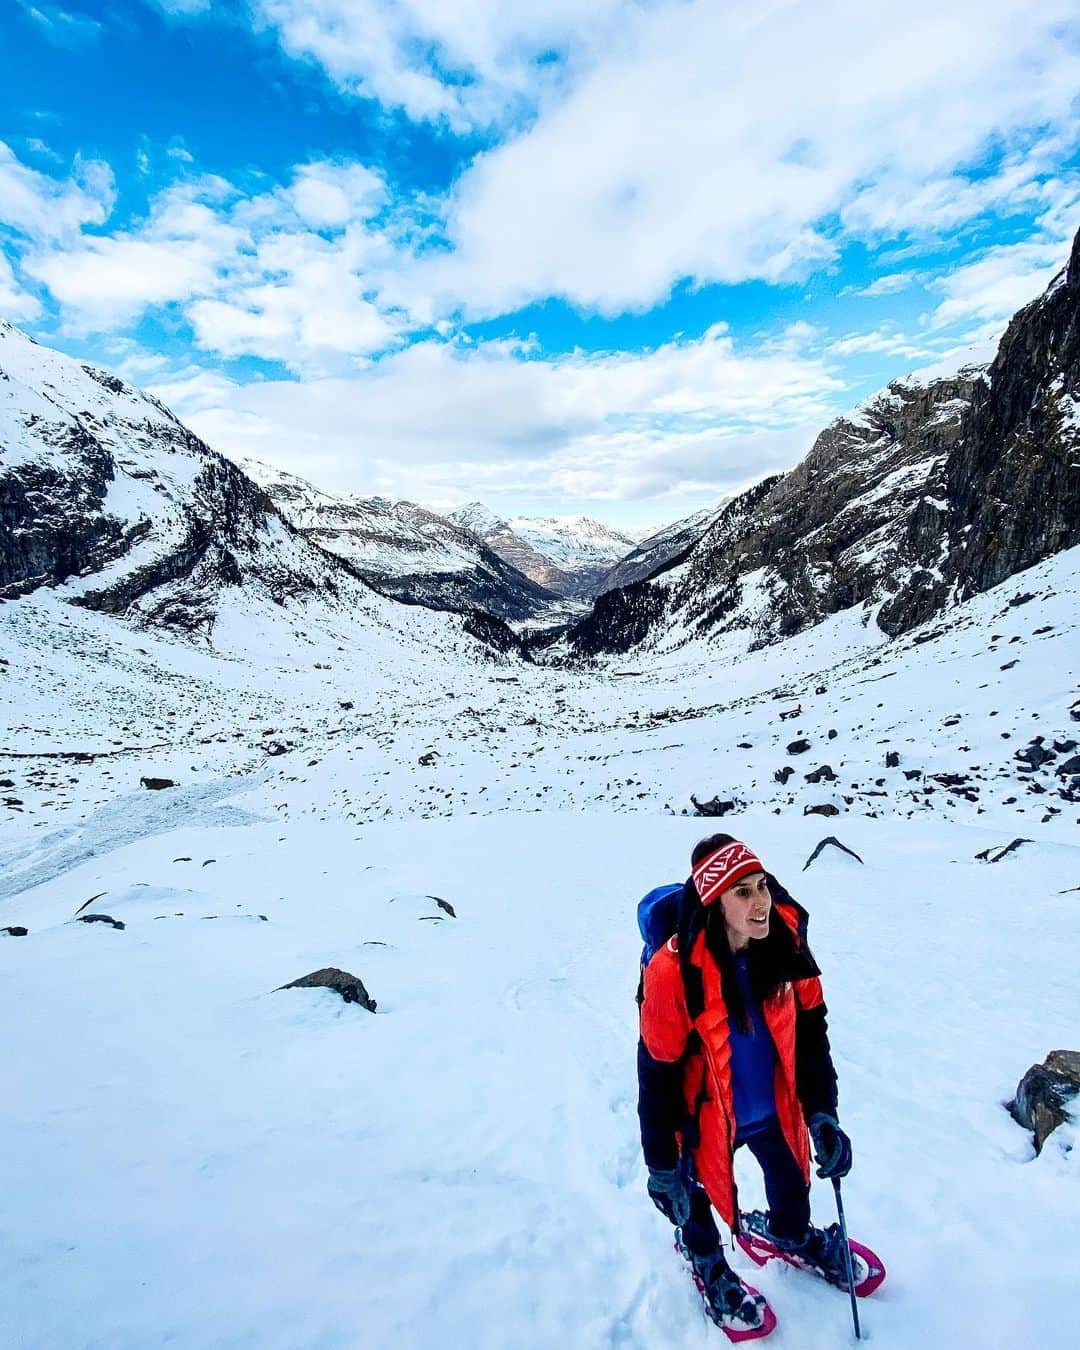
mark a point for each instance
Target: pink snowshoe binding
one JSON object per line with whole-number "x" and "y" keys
{"x": 821, "y": 1253}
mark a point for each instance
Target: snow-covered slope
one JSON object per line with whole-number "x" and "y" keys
{"x": 660, "y": 548}
{"x": 403, "y": 549}
{"x": 205, "y": 1161}
{"x": 566, "y": 554}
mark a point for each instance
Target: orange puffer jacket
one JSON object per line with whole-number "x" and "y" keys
{"x": 666, "y": 1031}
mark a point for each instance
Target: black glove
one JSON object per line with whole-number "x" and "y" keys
{"x": 670, "y": 1194}
{"x": 832, "y": 1147}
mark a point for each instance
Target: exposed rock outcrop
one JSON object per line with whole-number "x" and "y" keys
{"x": 927, "y": 494}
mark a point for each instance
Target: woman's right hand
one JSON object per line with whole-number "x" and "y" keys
{"x": 670, "y": 1194}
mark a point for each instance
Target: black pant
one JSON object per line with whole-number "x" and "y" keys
{"x": 787, "y": 1193}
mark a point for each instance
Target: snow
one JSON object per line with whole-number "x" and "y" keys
{"x": 570, "y": 542}
{"x": 196, "y": 1159}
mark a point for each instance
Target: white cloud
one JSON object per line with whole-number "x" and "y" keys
{"x": 285, "y": 275}
{"x": 442, "y": 420}
{"x": 992, "y": 288}
{"x": 108, "y": 281}
{"x": 889, "y": 284}
{"x": 326, "y": 195}
{"x": 37, "y": 146}
{"x": 60, "y": 27}
{"x": 881, "y": 341}
{"x": 41, "y": 207}
{"x": 15, "y": 303}
{"x": 684, "y": 140}
{"x": 468, "y": 63}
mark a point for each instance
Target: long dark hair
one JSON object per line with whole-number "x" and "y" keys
{"x": 771, "y": 959}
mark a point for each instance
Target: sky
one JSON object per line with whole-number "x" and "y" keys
{"x": 619, "y": 257}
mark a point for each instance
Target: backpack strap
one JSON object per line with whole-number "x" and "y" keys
{"x": 690, "y": 923}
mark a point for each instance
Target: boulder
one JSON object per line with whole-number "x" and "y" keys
{"x": 1035, "y": 753}
{"x": 824, "y": 809}
{"x": 824, "y": 774}
{"x": 715, "y": 807}
{"x": 799, "y": 747}
{"x": 1044, "y": 1094}
{"x": 15, "y": 930}
{"x": 782, "y": 775}
{"x": 101, "y": 918}
{"x": 156, "y": 784}
{"x": 350, "y": 987}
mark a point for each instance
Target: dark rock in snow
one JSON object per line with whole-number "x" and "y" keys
{"x": 825, "y": 809}
{"x": 830, "y": 840}
{"x": 15, "y": 930}
{"x": 1000, "y": 853}
{"x": 1070, "y": 766}
{"x": 892, "y": 759}
{"x": 782, "y": 775}
{"x": 824, "y": 774}
{"x": 715, "y": 807}
{"x": 444, "y": 905}
{"x": 100, "y": 918}
{"x": 350, "y": 987}
{"x": 1035, "y": 753}
{"x": 157, "y": 784}
{"x": 798, "y": 747}
{"x": 1044, "y": 1093}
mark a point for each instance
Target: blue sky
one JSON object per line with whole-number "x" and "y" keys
{"x": 617, "y": 256}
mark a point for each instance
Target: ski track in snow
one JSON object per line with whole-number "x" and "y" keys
{"x": 197, "y": 1160}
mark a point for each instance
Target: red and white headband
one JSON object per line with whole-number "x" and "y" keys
{"x": 722, "y": 869}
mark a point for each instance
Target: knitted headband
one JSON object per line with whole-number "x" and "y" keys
{"x": 722, "y": 869}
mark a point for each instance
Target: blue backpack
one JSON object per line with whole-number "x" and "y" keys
{"x": 657, "y": 918}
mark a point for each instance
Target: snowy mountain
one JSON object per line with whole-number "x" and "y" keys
{"x": 660, "y": 549}
{"x": 926, "y": 494}
{"x": 566, "y": 554}
{"x": 112, "y": 503}
{"x": 403, "y": 549}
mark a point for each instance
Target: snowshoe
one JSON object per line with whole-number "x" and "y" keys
{"x": 821, "y": 1253}
{"x": 738, "y": 1309}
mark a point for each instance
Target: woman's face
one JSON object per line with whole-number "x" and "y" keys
{"x": 746, "y": 907}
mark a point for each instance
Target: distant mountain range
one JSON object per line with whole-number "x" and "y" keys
{"x": 404, "y": 550}
{"x": 928, "y": 493}
{"x": 568, "y": 555}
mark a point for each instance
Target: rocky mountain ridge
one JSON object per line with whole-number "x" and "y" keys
{"x": 927, "y": 494}
{"x": 660, "y": 549}
{"x": 404, "y": 550}
{"x": 568, "y": 555}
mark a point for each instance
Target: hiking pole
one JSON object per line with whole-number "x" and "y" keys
{"x": 848, "y": 1271}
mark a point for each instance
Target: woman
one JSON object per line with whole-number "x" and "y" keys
{"x": 734, "y": 1050}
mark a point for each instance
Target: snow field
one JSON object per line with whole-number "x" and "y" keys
{"x": 203, "y": 1161}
